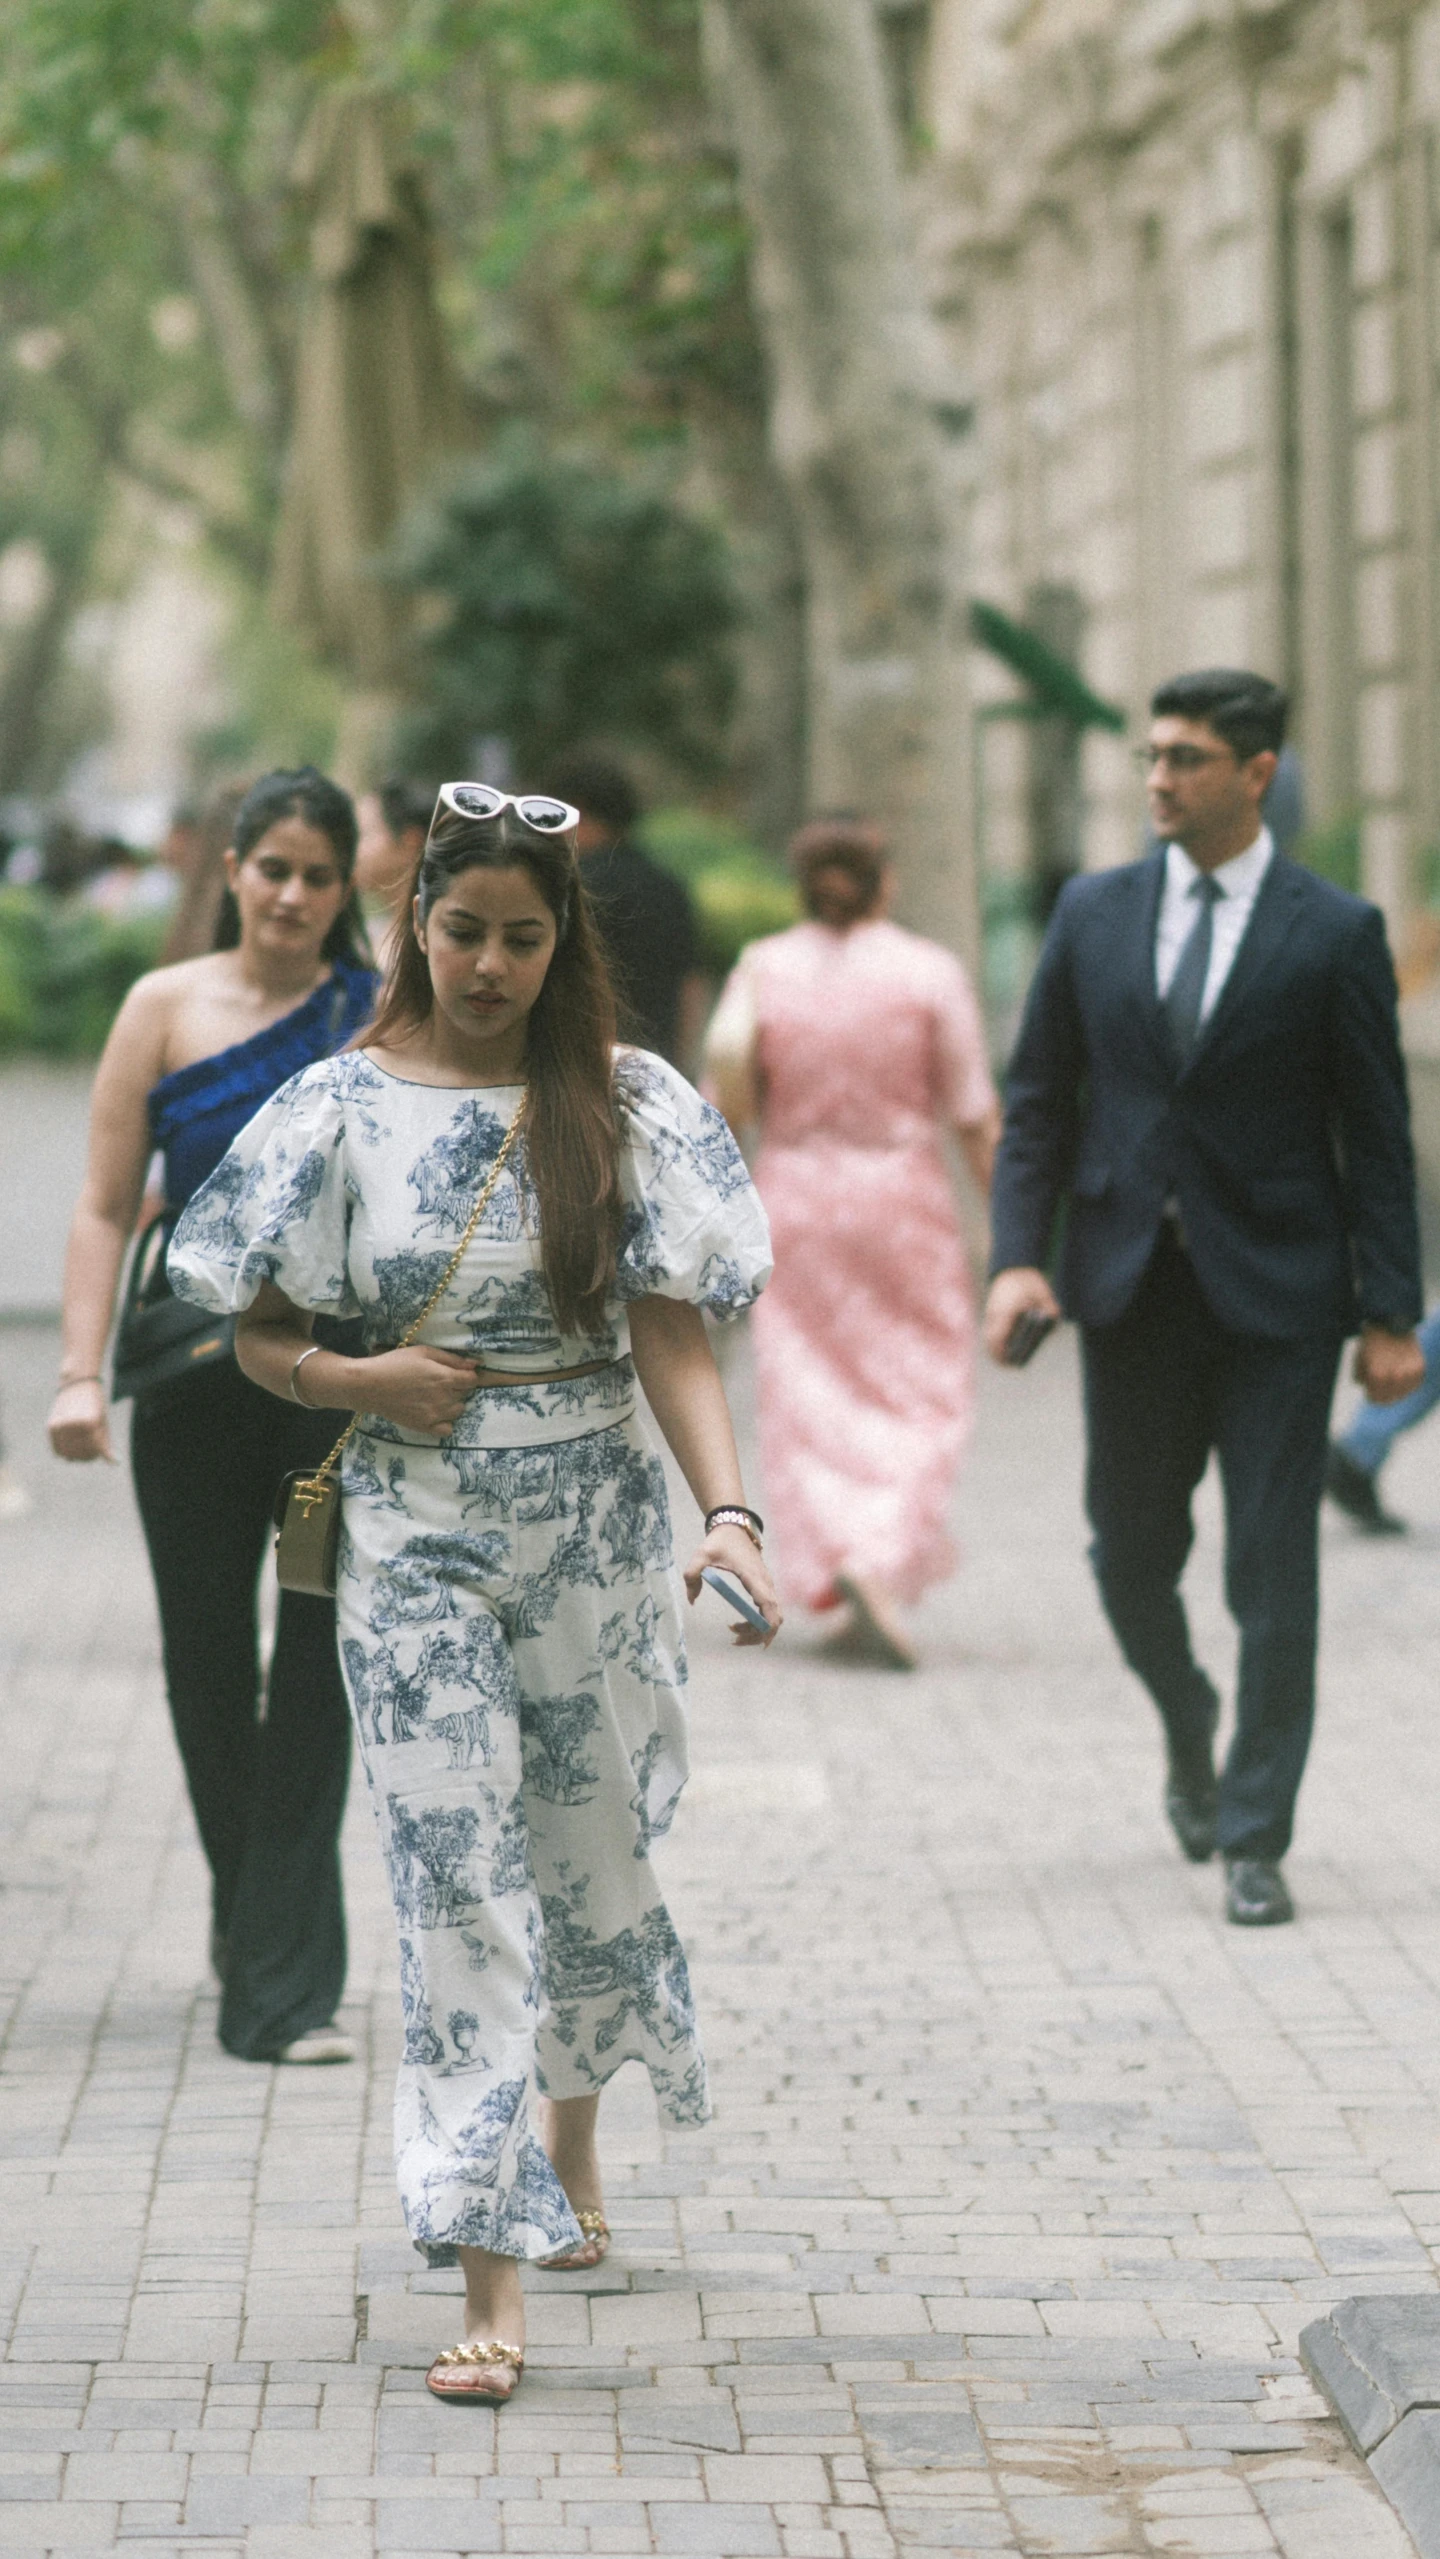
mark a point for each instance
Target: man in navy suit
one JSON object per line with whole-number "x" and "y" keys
{"x": 1208, "y": 1094}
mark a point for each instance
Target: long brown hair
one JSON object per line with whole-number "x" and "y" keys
{"x": 570, "y": 1118}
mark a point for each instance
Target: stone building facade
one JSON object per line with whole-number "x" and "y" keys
{"x": 1188, "y": 252}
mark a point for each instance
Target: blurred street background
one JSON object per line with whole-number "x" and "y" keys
{"x": 1025, "y": 2171}
{"x": 819, "y": 404}
{"x": 843, "y": 403}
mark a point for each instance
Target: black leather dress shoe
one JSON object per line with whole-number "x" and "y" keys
{"x": 1256, "y": 1895}
{"x": 1190, "y": 1808}
{"x": 1191, "y": 1790}
{"x": 1352, "y": 1490}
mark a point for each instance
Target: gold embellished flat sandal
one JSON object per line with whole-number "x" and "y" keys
{"x": 469, "y": 2365}
{"x": 591, "y": 2251}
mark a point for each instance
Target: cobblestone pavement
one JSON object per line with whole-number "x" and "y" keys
{"x": 1024, "y": 2174}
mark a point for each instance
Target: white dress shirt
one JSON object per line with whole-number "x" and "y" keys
{"x": 1238, "y": 881}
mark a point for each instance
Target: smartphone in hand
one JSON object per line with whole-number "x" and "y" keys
{"x": 734, "y": 1597}
{"x": 1025, "y": 1336}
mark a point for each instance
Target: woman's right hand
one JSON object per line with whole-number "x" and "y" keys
{"x": 421, "y": 1389}
{"x": 79, "y": 1424}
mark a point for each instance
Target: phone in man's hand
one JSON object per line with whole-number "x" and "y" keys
{"x": 1025, "y": 1336}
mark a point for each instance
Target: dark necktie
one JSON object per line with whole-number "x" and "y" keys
{"x": 1187, "y": 987}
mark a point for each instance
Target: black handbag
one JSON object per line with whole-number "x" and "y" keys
{"x": 160, "y": 1338}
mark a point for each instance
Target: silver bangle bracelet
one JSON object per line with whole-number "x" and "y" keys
{"x": 295, "y": 1394}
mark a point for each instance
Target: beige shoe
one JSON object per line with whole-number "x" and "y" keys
{"x": 322, "y": 2043}
{"x": 875, "y": 1622}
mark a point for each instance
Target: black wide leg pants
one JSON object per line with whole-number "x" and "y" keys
{"x": 1164, "y": 1386}
{"x": 268, "y": 1790}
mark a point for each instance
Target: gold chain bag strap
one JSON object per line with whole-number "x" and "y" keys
{"x": 307, "y": 1506}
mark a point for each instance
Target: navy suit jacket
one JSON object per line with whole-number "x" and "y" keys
{"x": 1285, "y": 1141}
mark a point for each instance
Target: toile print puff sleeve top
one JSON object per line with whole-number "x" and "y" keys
{"x": 350, "y": 1190}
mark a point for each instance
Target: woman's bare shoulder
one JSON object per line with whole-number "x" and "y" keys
{"x": 166, "y": 1015}
{"x": 160, "y": 990}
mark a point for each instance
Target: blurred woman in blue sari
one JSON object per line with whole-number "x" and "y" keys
{"x": 195, "y": 1051}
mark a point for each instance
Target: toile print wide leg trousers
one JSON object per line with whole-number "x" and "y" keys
{"x": 510, "y": 1637}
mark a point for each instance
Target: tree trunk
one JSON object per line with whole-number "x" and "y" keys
{"x": 768, "y": 738}
{"x": 854, "y": 435}
{"x": 31, "y": 669}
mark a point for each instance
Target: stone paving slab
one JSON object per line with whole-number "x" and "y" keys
{"x": 1025, "y": 2173}
{"x": 1376, "y": 2360}
{"x": 1407, "y": 2465}
{"x": 44, "y": 1125}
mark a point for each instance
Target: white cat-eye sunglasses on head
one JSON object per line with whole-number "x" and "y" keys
{"x": 480, "y": 801}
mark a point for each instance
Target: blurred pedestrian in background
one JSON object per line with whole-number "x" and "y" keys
{"x": 125, "y": 885}
{"x": 1352, "y": 1469}
{"x": 1208, "y": 1099}
{"x": 195, "y": 849}
{"x": 646, "y": 920}
{"x": 393, "y": 824}
{"x": 855, "y": 1048}
{"x": 195, "y": 1050}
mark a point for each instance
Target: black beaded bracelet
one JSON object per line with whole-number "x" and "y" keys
{"x": 735, "y": 1515}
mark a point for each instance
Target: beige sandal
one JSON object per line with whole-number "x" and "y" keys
{"x": 875, "y": 1623}
{"x": 475, "y": 2361}
{"x": 591, "y": 2251}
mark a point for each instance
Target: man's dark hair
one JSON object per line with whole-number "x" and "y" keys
{"x": 1248, "y": 711}
{"x": 598, "y": 787}
{"x": 406, "y": 804}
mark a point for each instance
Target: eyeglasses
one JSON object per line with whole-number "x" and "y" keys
{"x": 1181, "y": 759}
{"x": 480, "y": 801}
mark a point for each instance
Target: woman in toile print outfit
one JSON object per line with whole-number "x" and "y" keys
{"x": 507, "y": 1599}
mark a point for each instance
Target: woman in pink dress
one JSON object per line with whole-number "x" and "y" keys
{"x": 855, "y": 1047}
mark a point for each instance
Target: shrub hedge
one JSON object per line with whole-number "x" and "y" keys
{"x": 64, "y": 971}
{"x": 64, "y": 968}
{"x": 740, "y": 893}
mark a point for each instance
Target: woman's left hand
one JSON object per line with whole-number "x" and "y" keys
{"x": 732, "y": 1552}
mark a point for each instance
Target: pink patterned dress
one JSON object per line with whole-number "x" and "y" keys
{"x": 865, "y": 1046}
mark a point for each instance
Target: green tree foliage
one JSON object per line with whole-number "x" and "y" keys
{"x": 571, "y": 603}
{"x": 597, "y": 276}
{"x": 142, "y": 157}
{"x": 593, "y": 256}
{"x": 143, "y": 291}
{"x": 591, "y": 252}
